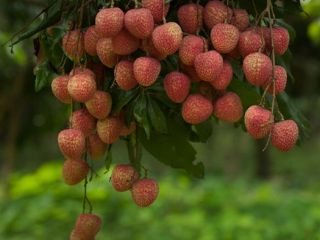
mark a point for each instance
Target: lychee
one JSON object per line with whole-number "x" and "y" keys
{"x": 224, "y": 78}
{"x": 148, "y": 46}
{"x": 146, "y": 70}
{"x": 196, "y": 109}
{"x": 109, "y": 22}
{"x": 216, "y": 12}
{"x": 224, "y": 37}
{"x": 284, "y": 135}
{"x": 177, "y": 86}
{"x": 88, "y": 225}
{"x": 91, "y": 38}
{"x": 71, "y": 143}
{"x": 99, "y": 105}
{"x": 144, "y": 192}
{"x": 124, "y": 76}
{"x": 123, "y": 176}
{"x": 74, "y": 235}
{"x": 60, "y": 89}
{"x": 228, "y": 107}
{"x": 280, "y": 39}
{"x": 109, "y": 129}
{"x": 190, "y": 47}
{"x": 257, "y": 68}
{"x": 240, "y": 19}
{"x": 139, "y": 22}
{"x": 258, "y": 121}
{"x": 82, "y": 120}
{"x": 74, "y": 171}
{"x": 72, "y": 44}
{"x": 84, "y": 70}
{"x": 81, "y": 87}
{"x": 250, "y": 41}
{"x": 190, "y": 17}
{"x": 96, "y": 148}
{"x": 208, "y": 65}
{"x": 124, "y": 43}
{"x": 167, "y": 38}
{"x": 280, "y": 79}
{"x": 158, "y": 8}
{"x": 105, "y": 52}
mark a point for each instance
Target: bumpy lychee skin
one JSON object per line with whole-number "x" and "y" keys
{"x": 157, "y": 8}
{"x": 96, "y": 148}
{"x": 148, "y": 46}
{"x": 250, "y": 41}
{"x": 71, "y": 143}
{"x": 257, "y": 68}
{"x": 258, "y": 121}
{"x": 72, "y": 44}
{"x": 240, "y": 19}
{"x": 124, "y": 76}
{"x": 109, "y": 22}
{"x": 91, "y": 38}
{"x": 280, "y": 40}
{"x": 208, "y": 65}
{"x": 81, "y": 87}
{"x": 224, "y": 78}
{"x": 79, "y": 70}
{"x": 224, "y": 37}
{"x": 123, "y": 176}
{"x": 216, "y": 12}
{"x": 139, "y": 22}
{"x": 177, "y": 86}
{"x": 74, "y": 235}
{"x": 280, "y": 78}
{"x": 105, "y": 52}
{"x": 196, "y": 109}
{"x": 144, "y": 192}
{"x": 82, "y": 120}
{"x": 127, "y": 130}
{"x": 100, "y": 104}
{"x": 109, "y": 129}
{"x": 146, "y": 70}
{"x": 88, "y": 225}
{"x": 190, "y": 47}
{"x": 190, "y": 17}
{"x": 60, "y": 89}
{"x": 124, "y": 43}
{"x": 284, "y": 135}
{"x": 74, "y": 171}
{"x": 228, "y": 107}
{"x": 167, "y": 38}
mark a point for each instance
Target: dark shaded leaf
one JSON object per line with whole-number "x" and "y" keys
{"x": 203, "y": 131}
{"x": 156, "y": 116}
{"x": 44, "y": 75}
{"x": 140, "y": 113}
{"x": 285, "y": 61}
{"x": 123, "y": 98}
{"x": 237, "y": 69}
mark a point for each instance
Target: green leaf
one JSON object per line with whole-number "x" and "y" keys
{"x": 156, "y": 116}
{"x": 108, "y": 158}
{"x": 123, "y": 98}
{"x": 237, "y": 69}
{"x": 44, "y": 75}
{"x": 203, "y": 131}
{"x": 141, "y": 115}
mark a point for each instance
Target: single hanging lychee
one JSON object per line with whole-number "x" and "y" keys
{"x": 88, "y": 225}
{"x": 105, "y": 52}
{"x": 144, "y": 192}
{"x": 82, "y": 87}
{"x": 71, "y": 143}
{"x": 73, "y": 45}
{"x": 190, "y": 17}
{"x": 124, "y": 43}
{"x": 177, "y": 86}
{"x": 78, "y": 70}
{"x": 280, "y": 80}
{"x": 284, "y": 135}
{"x": 228, "y": 107}
{"x": 224, "y": 78}
{"x": 240, "y": 19}
{"x": 124, "y": 76}
{"x": 59, "y": 88}
{"x": 109, "y": 129}
{"x": 146, "y": 70}
{"x": 216, "y": 12}
{"x": 158, "y": 8}
{"x": 74, "y": 171}
{"x": 208, "y": 65}
{"x": 123, "y": 176}
{"x": 281, "y": 40}
{"x": 139, "y": 22}
{"x": 148, "y": 46}
{"x": 91, "y": 38}
{"x": 250, "y": 41}
{"x": 224, "y": 37}
{"x": 109, "y": 22}
{"x": 96, "y": 148}
{"x": 99, "y": 106}
{"x": 196, "y": 109}
{"x": 190, "y": 47}
{"x": 82, "y": 120}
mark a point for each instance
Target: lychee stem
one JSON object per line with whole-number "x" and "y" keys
{"x": 85, "y": 197}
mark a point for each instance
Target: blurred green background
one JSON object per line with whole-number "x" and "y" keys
{"x": 247, "y": 194}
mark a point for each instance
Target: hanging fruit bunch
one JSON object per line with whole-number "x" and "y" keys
{"x": 154, "y": 74}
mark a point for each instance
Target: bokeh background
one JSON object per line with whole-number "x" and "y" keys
{"x": 247, "y": 194}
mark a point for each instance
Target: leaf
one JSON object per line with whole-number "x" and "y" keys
{"x": 108, "y": 158}
{"x": 156, "y": 116}
{"x": 124, "y": 98}
{"x": 203, "y": 131}
{"x": 237, "y": 69}
{"x": 44, "y": 75}
{"x": 140, "y": 113}
{"x": 173, "y": 149}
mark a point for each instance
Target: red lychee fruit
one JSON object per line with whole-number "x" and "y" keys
{"x": 228, "y": 107}
{"x": 216, "y": 12}
{"x": 191, "y": 46}
{"x": 146, "y": 70}
{"x": 74, "y": 171}
{"x": 284, "y": 135}
{"x": 208, "y": 65}
{"x": 190, "y": 17}
{"x": 82, "y": 120}
{"x": 71, "y": 143}
{"x": 81, "y": 87}
{"x": 224, "y": 78}
{"x": 258, "y": 121}
{"x": 127, "y": 130}
{"x": 124, "y": 76}
{"x": 144, "y": 192}
{"x": 280, "y": 39}
{"x": 240, "y": 19}
{"x": 105, "y": 52}
{"x": 139, "y": 22}
{"x": 224, "y": 37}
{"x": 78, "y": 70}
{"x": 123, "y": 176}
{"x": 177, "y": 86}
{"x": 60, "y": 89}
{"x": 88, "y": 225}
{"x": 91, "y": 38}
{"x": 167, "y": 38}
{"x": 72, "y": 44}
{"x": 158, "y": 9}
{"x": 250, "y": 42}
{"x": 96, "y": 148}
{"x": 74, "y": 235}
{"x": 257, "y": 68}
{"x": 196, "y": 109}
{"x": 109, "y": 129}
{"x": 109, "y": 22}
{"x": 149, "y": 48}
{"x": 124, "y": 43}
{"x": 100, "y": 104}
{"x": 280, "y": 79}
